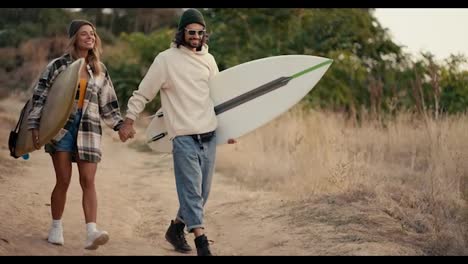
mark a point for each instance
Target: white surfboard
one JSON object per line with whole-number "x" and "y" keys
{"x": 250, "y": 95}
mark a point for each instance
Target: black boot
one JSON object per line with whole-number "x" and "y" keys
{"x": 203, "y": 247}
{"x": 176, "y": 236}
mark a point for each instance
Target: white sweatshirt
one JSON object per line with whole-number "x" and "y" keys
{"x": 182, "y": 75}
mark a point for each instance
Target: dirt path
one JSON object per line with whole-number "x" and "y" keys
{"x": 137, "y": 199}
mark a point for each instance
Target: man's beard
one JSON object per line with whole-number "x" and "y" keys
{"x": 194, "y": 46}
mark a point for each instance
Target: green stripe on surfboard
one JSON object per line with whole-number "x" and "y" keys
{"x": 320, "y": 65}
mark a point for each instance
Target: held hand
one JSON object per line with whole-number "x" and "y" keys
{"x": 126, "y": 131}
{"x": 35, "y": 138}
{"x": 122, "y": 137}
{"x": 232, "y": 141}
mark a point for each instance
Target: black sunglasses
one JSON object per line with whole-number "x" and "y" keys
{"x": 192, "y": 32}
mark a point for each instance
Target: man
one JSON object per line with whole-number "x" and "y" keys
{"x": 182, "y": 73}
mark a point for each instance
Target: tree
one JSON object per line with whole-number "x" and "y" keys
{"x": 453, "y": 82}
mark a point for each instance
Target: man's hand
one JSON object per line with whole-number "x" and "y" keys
{"x": 35, "y": 138}
{"x": 127, "y": 131}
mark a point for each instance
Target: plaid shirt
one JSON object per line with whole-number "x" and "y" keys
{"x": 100, "y": 103}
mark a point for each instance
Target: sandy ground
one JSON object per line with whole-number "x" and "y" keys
{"x": 137, "y": 199}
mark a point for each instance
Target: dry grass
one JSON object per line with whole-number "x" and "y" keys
{"x": 412, "y": 171}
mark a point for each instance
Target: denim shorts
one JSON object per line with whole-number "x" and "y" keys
{"x": 68, "y": 142}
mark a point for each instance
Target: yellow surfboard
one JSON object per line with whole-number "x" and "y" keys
{"x": 56, "y": 111}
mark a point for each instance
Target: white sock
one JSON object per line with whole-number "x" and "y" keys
{"x": 56, "y": 223}
{"x": 91, "y": 227}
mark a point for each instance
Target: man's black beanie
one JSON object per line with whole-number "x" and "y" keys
{"x": 191, "y": 16}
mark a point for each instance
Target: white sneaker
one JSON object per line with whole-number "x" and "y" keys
{"x": 96, "y": 239}
{"x": 56, "y": 236}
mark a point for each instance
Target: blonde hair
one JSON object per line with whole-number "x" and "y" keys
{"x": 94, "y": 55}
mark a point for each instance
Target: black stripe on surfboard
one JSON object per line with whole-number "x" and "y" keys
{"x": 157, "y": 137}
{"x": 250, "y": 95}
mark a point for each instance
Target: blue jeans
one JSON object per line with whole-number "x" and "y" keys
{"x": 68, "y": 142}
{"x": 193, "y": 166}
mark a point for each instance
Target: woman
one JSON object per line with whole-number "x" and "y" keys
{"x": 79, "y": 141}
